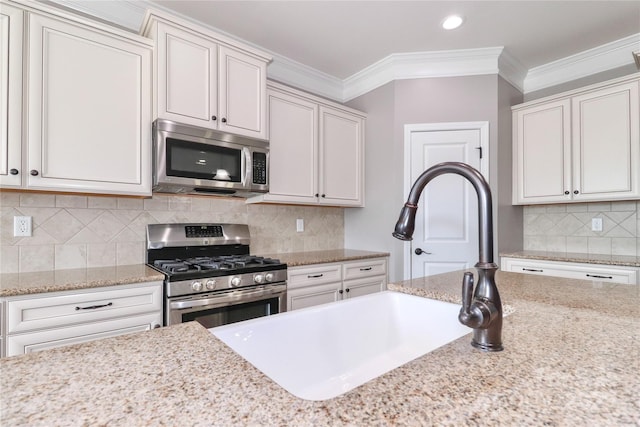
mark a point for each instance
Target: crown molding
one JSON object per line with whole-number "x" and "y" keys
{"x": 602, "y": 58}
{"x": 127, "y": 14}
{"x": 464, "y": 62}
{"x": 292, "y": 73}
{"x": 399, "y": 66}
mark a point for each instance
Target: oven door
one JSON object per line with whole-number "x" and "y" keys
{"x": 211, "y": 310}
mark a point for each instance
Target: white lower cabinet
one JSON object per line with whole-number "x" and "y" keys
{"x": 322, "y": 283}
{"x": 572, "y": 270}
{"x": 41, "y": 321}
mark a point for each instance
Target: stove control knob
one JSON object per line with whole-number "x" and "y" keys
{"x": 196, "y": 286}
{"x": 269, "y": 277}
{"x": 211, "y": 284}
{"x": 258, "y": 278}
{"x": 235, "y": 281}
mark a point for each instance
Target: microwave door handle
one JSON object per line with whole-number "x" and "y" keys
{"x": 247, "y": 167}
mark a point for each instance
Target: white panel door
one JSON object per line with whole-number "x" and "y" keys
{"x": 187, "y": 77}
{"x": 341, "y": 162}
{"x": 543, "y": 153}
{"x": 606, "y": 143}
{"x": 293, "y": 136}
{"x": 89, "y": 110}
{"x": 242, "y": 92}
{"x": 447, "y": 218}
{"x": 10, "y": 96}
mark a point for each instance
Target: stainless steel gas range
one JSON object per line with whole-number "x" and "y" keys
{"x": 210, "y": 276}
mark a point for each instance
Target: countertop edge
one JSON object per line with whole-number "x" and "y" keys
{"x": 601, "y": 259}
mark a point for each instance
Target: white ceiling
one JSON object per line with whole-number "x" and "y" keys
{"x": 341, "y": 38}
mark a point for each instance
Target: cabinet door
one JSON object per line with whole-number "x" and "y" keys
{"x": 542, "y": 153}
{"x": 242, "y": 93}
{"x": 359, "y": 287}
{"x": 187, "y": 72}
{"x": 293, "y": 137}
{"x": 43, "y": 340}
{"x": 11, "y": 25}
{"x": 89, "y": 110}
{"x": 313, "y": 295}
{"x": 606, "y": 143}
{"x": 341, "y": 158}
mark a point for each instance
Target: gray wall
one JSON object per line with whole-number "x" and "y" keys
{"x": 433, "y": 100}
{"x": 510, "y": 224}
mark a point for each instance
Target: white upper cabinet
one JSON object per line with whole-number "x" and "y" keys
{"x": 316, "y": 150}
{"x": 89, "y": 112}
{"x": 11, "y": 27}
{"x": 341, "y": 157}
{"x": 187, "y": 72}
{"x": 293, "y": 147}
{"x": 606, "y": 143}
{"x": 580, "y": 146}
{"x": 87, "y": 104}
{"x": 542, "y": 138}
{"x": 205, "y": 79}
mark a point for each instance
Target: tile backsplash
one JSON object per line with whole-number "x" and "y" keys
{"x": 567, "y": 228}
{"x": 83, "y": 231}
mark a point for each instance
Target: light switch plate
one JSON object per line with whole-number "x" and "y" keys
{"x": 299, "y": 225}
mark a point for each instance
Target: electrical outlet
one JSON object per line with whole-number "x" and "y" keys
{"x": 596, "y": 224}
{"x": 21, "y": 226}
{"x": 299, "y": 225}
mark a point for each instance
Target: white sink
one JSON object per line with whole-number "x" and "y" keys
{"x": 324, "y": 351}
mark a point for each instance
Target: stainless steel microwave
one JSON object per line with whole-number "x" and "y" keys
{"x": 195, "y": 160}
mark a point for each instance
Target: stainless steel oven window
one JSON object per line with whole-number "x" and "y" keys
{"x": 228, "y": 307}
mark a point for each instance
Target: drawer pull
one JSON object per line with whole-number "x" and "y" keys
{"x": 366, "y": 269}
{"x": 93, "y": 307}
{"x": 314, "y": 276}
{"x": 533, "y": 269}
{"x": 597, "y": 276}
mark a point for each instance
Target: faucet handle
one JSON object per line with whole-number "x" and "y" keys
{"x": 467, "y": 291}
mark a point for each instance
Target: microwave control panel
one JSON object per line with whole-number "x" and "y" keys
{"x": 260, "y": 168}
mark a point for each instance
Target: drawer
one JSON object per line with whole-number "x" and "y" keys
{"x": 42, "y": 340}
{"x": 367, "y": 268}
{"x": 58, "y": 309}
{"x": 315, "y": 275}
{"x": 594, "y": 272}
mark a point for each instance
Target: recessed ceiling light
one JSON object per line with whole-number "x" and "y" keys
{"x": 452, "y": 22}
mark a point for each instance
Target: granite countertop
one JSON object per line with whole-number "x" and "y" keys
{"x": 620, "y": 260}
{"x": 572, "y": 357}
{"x": 13, "y": 284}
{"x": 296, "y": 259}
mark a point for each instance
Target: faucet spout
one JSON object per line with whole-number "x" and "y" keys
{"x": 483, "y": 312}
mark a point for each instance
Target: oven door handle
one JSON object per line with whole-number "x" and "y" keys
{"x": 227, "y": 298}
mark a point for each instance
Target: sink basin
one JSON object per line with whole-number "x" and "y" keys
{"x": 324, "y": 351}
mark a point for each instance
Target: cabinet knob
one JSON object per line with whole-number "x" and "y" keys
{"x": 13, "y": 171}
{"x": 224, "y": 120}
{"x": 323, "y": 196}
{"x": 34, "y": 172}
{"x": 317, "y": 194}
{"x": 566, "y": 192}
{"x": 576, "y": 192}
{"x": 340, "y": 291}
{"x": 214, "y": 118}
